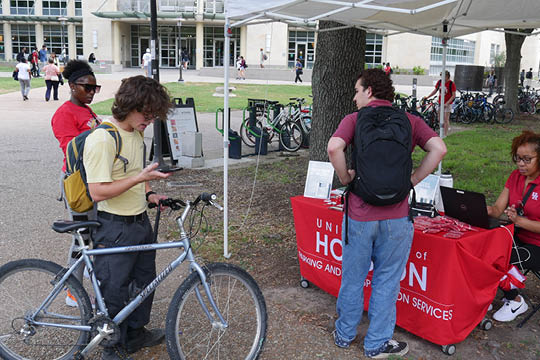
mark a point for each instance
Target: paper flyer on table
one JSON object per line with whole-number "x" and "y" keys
{"x": 319, "y": 180}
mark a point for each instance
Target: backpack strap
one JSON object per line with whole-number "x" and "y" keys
{"x": 113, "y": 131}
{"x": 526, "y": 197}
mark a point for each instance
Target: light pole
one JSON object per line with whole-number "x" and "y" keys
{"x": 179, "y": 24}
{"x": 62, "y": 20}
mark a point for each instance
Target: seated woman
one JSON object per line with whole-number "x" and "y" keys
{"x": 526, "y": 218}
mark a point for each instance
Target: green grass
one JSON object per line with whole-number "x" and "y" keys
{"x": 9, "y": 85}
{"x": 5, "y": 68}
{"x": 205, "y": 102}
{"x": 479, "y": 159}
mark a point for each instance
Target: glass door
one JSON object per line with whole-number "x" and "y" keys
{"x": 219, "y": 46}
{"x": 144, "y": 43}
{"x": 301, "y": 53}
{"x": 189, "y": 45}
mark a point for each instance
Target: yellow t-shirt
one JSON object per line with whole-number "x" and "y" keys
{"x": 101, "y": 166}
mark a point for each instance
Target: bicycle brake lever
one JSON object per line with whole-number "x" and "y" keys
{"x": 216, "y": 205}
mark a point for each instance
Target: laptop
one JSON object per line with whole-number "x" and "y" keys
{"x": 469, "y": 207}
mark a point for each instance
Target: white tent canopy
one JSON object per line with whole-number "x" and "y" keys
{"x": 441, "y": 18}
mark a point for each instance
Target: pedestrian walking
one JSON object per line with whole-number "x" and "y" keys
{"x": 492, "y": 81}
{"x": 262, "y": 58}
{"x": 529, "y": 77}
{"x": 522, "y": 77}
{"x": 298, "y": 68}
{"x": 241, "y": 68}
{"x": 43, "y": 56}
{"x": 52, "y": 79}
{"x": 34, "y": 62}
{"x": 147, "y": 63}
{"x": 24, "y": 74}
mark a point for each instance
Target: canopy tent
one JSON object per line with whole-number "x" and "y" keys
{"x": 440, "y": 18}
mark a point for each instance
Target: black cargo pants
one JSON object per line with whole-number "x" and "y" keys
{"x": 121, "y": 275}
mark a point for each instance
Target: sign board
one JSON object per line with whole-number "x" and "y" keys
{"x": 319, "y": 180}
{"x": 426, "y": 190}
{"x": 181, "y": 119}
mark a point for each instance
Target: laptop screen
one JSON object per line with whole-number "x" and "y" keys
{"x": 467, "y": 206}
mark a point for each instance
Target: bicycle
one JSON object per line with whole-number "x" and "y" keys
{"x": 217, "y": 312}
{"x": 275, "y": 119}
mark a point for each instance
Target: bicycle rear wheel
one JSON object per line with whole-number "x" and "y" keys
{"x": 24, "y": 285}
{"x": 189, "y": 333}
{"x": 504, "y": 116}
{"x": 248, "y": 137}
{"x": 291, "y": 136}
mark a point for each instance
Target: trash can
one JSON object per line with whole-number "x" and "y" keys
{"x": 235, "y": 145}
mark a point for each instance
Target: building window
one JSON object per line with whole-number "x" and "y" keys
{"x": 22, "y": 7}
{"x": 55, "y": 8}
{"x": 494, "y": 52}
{"x": 301, "y": 46}
{"x": 22, "y": 36}
{"x": 2, "y": 47}
{"x": 168, "y": 47}
{"x": 214, "y": 6}
{"x": 177, "y": 6}
{"x": 459, "y": 51}
{"x": 79, "y": 40}
{"x": 78, "y": 7}
{"x": 52, "y": 37}
{"x": 214, "y": 46}
{"x": 374, "y": 43}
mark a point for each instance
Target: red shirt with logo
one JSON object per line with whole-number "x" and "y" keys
{"x": 515, "y": 184}
{"x": 70, "y": 120}
{"x": 358, "y": 209}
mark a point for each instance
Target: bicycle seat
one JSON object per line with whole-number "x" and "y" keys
{"x": 63, "y": 226}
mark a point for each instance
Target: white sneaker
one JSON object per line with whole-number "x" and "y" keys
{"x": 510, "y": 310}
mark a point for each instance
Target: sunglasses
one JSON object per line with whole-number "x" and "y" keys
{"x": 90, "y": 87}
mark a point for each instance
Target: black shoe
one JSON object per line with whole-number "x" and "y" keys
{"x": 140, "y": 338}
{"x": 115, "y": 353}
{"x": 390, "y": 348}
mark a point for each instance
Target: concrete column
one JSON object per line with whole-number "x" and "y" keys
{"x": 243, "y": 46}
{"x": 5, "y": 8}
{"x": 116, "y": 43}
{"x": 70, "y": 11}
{"x": 38, "y": 7}
{"x": 39, "y": 35}
{"x": 72, "y": 43}
{"x": 199, "y": 47}
{"x": 200, "y": 6}
{"x": 7, "y": 41}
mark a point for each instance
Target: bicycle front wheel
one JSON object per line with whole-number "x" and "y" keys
{"x": 24, "y": 285}
{"x": 504, "y": 116}
{"x": 189, "y": 333}
{"x": 291, "y": 136}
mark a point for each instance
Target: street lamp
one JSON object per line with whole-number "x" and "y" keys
{"x": 62, "y": 20}
{"x": 179, "y": 24}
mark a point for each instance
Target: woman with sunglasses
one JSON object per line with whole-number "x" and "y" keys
{"x": 70, "y": 119}
{"x": 519, "y": 200}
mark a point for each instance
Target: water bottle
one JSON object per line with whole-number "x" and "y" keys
{"x": 444, "y": 180}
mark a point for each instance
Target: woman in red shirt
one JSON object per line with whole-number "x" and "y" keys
{"x": 70, "y": 119}
{"x": 526, "y": 218}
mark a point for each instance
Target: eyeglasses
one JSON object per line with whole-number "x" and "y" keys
{"x": 526, "y": 159}
{"x": 149, "y": 117}
{"x": 90, "y": 87}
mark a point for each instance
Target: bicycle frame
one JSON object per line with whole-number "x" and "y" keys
{"x": 133, "y": 304}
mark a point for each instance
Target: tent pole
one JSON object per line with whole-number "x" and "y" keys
{"x": 227, "y": 32}
{"x": 443, "y": 91}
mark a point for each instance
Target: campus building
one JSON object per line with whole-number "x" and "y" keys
{"x": 118, "y": 33}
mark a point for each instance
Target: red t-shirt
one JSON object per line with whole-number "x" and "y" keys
{"x": 515, "y": 184}
{"x": 358, "y": 209}
{"x": 450, "y": 89}
{"x": 70, "y": 120}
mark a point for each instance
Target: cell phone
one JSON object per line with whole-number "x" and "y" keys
{"x": 170, "y": 170}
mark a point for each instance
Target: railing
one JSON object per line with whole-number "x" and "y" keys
{"x": 163, "y": 5}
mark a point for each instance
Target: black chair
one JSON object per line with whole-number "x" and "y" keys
{"x": 534, "y": 308}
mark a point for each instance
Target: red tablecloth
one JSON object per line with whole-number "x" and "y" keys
{"x": 446, "y": 286}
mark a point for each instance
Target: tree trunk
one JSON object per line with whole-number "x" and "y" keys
{"x": 339, "y": 58}
{"x": 511, "y": 69}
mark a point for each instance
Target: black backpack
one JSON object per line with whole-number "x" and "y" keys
{"x": 382, "y": 155}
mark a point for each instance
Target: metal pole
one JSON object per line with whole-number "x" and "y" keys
{"x": 227, "y": 32}
{"x": 443, "y": 91}
{"x": 180, "y": 52}
{"x": 158, "y": 155}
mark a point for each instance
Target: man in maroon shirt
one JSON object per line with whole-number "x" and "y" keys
{"x": 379, "y": 234}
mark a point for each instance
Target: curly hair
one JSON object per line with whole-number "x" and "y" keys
{"x": 142, "y": 94}
{"x": 526, "y": 137}
{"x": 381, "y": 84}
{"x": 77, "y": 66}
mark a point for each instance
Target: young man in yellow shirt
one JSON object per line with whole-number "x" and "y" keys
{"x": 121, "y": 188}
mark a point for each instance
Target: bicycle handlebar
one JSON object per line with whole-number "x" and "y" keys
{"x": 177, "y": 204}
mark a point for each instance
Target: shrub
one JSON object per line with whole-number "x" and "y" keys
{"x": 418, "y": 70}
